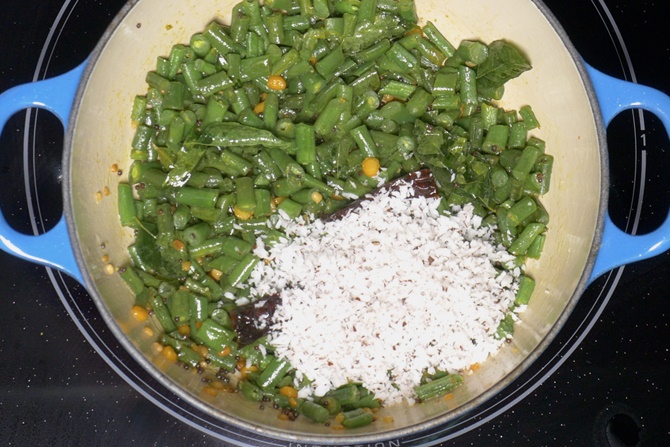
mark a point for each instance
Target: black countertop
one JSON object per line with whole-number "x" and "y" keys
{"x": 605, "y": 381}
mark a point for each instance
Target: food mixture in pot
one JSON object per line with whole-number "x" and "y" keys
{"x": 331, "y": 211}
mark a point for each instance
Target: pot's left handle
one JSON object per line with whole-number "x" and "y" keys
{"x": 615, "y": 96}
{"x": 53, "y": 248}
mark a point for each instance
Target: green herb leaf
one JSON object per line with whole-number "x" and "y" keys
{"x": 155, "y": 257}
{"x": 505, "y": 62}
{"x": 443, "y": 176}
{"x": 506, "y": 327}
{"x": 187, "y": 160}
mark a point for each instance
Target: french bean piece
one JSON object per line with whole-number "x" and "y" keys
{"x": 275, "y": 113}
{"x": 314, "y": 411}
{"x": 358, "y": 420}
{"x": 438, "y": 387}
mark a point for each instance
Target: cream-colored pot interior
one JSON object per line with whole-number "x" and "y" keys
{"x": 101, "y": 132}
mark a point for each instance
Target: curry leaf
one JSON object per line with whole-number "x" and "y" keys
{"x": 505, "y": 62}
{"x": 443, "y": 176}
{"x": 505, "y": 328}
{"x": 153, "y": 257}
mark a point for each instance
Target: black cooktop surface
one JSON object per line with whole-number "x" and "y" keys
{"x": 605, "y": 381}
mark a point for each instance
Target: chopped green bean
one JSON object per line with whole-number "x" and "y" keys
{"x": 438, "y": 387}
{"x": 358, "y": 420}
{"x": 126, "y": 205}
{"x": 525, "y": 239}
{"x": 314, "y": 411}
{"x": 242, "y": 270}
{"x": 305, "y": 144}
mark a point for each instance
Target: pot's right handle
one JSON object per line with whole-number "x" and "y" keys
{"x": 618, "y": 248}
{"x": 53, "y": 248}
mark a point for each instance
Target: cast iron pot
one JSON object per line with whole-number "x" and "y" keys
{"x": 573, "y": 102}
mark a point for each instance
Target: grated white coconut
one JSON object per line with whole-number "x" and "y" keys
{"x": 391, "y": 290}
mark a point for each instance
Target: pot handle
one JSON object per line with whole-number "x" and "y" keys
{"x": 53, "y": 248}
{"x": 618, "y": 248}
